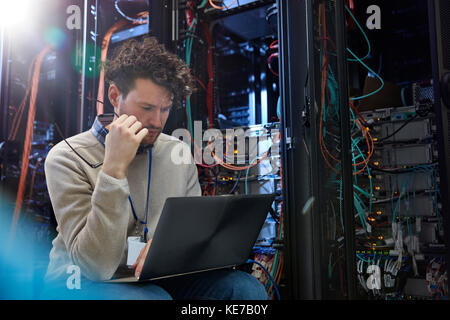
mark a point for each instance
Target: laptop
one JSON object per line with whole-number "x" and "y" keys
{"x": 197, "y": 234}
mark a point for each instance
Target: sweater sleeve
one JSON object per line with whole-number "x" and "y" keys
{"x": 92, "y": 221}
{"x": 193, "y": 186}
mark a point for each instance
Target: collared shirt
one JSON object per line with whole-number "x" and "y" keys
{"x": 99, "y": 131}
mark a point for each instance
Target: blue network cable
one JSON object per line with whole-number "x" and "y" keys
{"x": 368, "y": 68}
{"x": 431, "y": 172}
{"x": 370, "y": 193}
{"x": 365, "y": 37}
{"x": 360, "y": 211}
{"x": 268, "y": 274}
{"x": 202, "y": 4}
{"x": 361, "y": 258}
{"x": 364, "y": 34}
{"x": 404, "y": 184}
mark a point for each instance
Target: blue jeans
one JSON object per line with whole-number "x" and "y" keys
{"x": 212, "y": 285}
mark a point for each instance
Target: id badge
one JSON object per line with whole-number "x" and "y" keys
{"x": 135, "y": 245}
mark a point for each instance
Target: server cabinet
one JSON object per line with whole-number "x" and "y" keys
{"x": 365, "y": 158}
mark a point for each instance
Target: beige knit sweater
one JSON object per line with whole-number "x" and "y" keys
{"x": 92, "y": 209}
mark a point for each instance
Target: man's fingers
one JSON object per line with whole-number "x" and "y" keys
{"x": 129, "y": 121}
{"x": 141, "y": 134}
{"x": 121, "y": 119}
{"x": 136, "y": 126}
{"x": 132, "y": 123}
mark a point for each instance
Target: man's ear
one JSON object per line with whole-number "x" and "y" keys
{"x": 114, "y": 95}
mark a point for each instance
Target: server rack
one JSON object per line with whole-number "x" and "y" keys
{"x": 331, "y": 265}
{"x": 438, "y": 16}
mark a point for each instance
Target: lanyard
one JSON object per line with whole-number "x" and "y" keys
{"x": 148, "y": 194}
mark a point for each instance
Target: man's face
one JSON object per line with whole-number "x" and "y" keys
{"x": 148, "y": 102}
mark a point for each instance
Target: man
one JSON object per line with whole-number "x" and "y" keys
{"x": 97, "y": 207}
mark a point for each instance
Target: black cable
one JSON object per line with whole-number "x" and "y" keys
{"x": 392, "y": 171}
{"x": 274, "y": 215}
{"x": 399, "y": 129}
{"x": 396, "y": 171}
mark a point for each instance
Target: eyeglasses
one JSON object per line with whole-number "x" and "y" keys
{"x": 93, "y": 166}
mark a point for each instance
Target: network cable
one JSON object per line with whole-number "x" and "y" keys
{"x": 269, "y": 275}
{"x": 370, "y": 70}
{"x": 139, "y": 20}
{"x": 364, "y": 34}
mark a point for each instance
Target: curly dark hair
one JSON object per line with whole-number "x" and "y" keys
{"x": 149, "y": 59}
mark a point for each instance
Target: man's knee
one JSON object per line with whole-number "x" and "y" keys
{"x": 238, "y": 285}
{"x": 132, "y": 291}
{"x": 247, "y": 287}
{"x": 154, "y": 292}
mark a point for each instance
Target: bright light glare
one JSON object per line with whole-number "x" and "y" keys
{"x": 14, "y": 12}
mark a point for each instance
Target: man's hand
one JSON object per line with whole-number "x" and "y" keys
{"x": 121, "y": 144}
{"x": 141, "y": 259}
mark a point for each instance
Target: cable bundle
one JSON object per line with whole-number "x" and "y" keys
{"x": 28, "y": 138}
